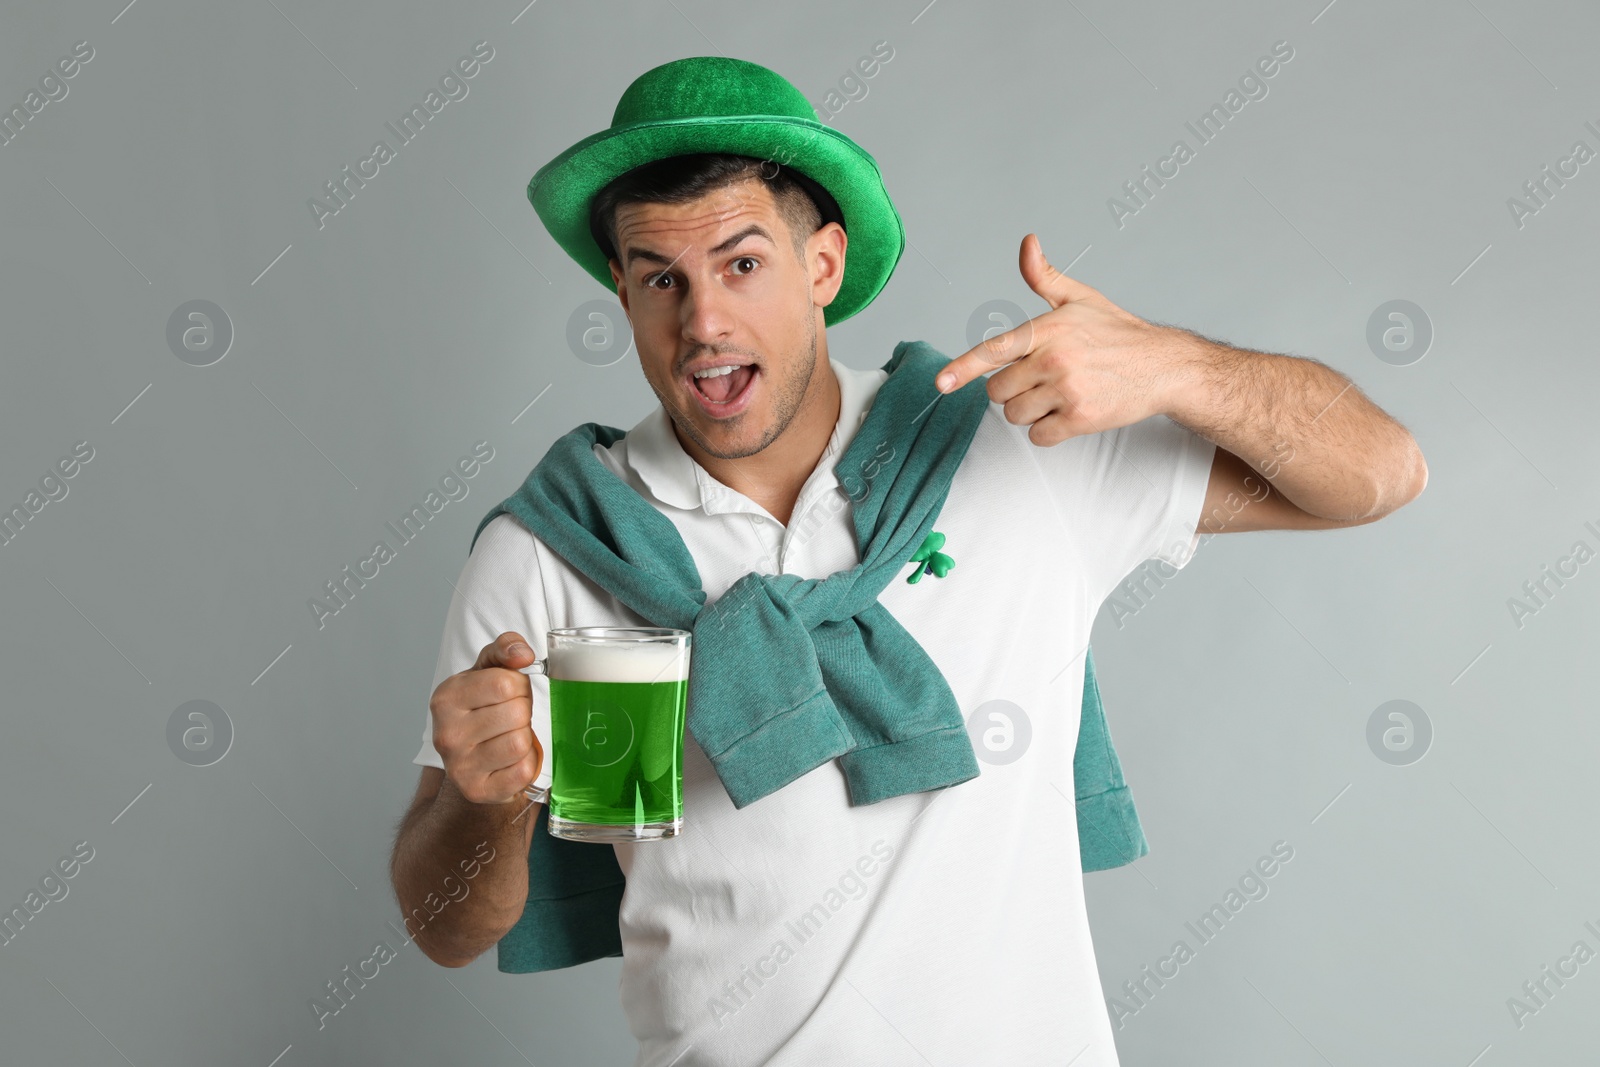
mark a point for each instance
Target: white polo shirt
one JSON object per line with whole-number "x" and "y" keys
{"x": 945, "y": 926}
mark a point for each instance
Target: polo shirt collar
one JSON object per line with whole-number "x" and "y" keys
{"x": 673, "y": 477}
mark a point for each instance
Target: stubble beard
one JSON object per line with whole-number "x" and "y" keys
{"x": 787, "y": 396}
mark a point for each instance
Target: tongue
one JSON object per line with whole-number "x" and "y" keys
{"x": 726, "y": 386}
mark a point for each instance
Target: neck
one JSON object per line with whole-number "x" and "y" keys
{"x": 773, "y": 477}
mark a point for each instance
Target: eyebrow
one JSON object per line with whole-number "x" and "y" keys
{"x": 752, "y": 230}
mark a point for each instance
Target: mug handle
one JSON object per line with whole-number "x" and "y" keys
{"x": 537, "y": 794}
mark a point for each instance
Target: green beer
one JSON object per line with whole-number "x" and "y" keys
{"x": 617, "y": 704}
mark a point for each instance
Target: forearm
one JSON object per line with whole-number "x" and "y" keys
{"x": 1308, "y": 429}
{"x": 440, "y": 849}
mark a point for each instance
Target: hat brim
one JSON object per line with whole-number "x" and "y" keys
{"x": 563, "y": 188}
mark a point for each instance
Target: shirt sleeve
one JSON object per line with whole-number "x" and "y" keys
{"x": 1129, "y": 494}
{"x": 500, "y": 588}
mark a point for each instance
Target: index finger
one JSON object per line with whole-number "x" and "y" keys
{"x": 996, "y": 351}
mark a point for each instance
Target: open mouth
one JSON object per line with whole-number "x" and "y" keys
{"x": 728, "y": 387}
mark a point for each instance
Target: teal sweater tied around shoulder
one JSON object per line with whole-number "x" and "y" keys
{"x": 840, "y": 677}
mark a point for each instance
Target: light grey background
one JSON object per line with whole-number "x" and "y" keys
{"x": 433, "y": 309}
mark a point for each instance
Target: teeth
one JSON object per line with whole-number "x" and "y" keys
{"x": 715, "y": 372}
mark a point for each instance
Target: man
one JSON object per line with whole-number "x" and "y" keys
{"x": 803, "y": 928}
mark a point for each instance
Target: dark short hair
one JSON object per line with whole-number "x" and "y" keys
{"x": 803, "y": 204}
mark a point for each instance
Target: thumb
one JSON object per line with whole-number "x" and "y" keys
{"x": 510, "y": 649}
{"x": 1042, "y": 278}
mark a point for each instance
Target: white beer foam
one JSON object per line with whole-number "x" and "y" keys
{"x": 621, "y": 661}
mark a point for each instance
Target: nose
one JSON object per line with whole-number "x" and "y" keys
{"x": 707, "y": 318}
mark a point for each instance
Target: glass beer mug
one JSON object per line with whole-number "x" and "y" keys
{"x": 618, "y": 696}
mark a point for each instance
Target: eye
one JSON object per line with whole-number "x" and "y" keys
{"x": 747, "y": 259}
{"x": 650, "y": 280}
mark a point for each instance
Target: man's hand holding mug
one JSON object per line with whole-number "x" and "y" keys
{"x": 483, "y": 724}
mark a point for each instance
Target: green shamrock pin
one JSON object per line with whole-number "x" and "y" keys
{"x": 934, "y": 562}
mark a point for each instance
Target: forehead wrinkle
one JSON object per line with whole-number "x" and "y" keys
{"x": 723, "y": 219}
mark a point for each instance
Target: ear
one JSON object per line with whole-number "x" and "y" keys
{"x": 825, "y": 254}
{"x": 616, "y": 280}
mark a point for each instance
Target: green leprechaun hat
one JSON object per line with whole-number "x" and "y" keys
{"x": 718, "y": 104}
